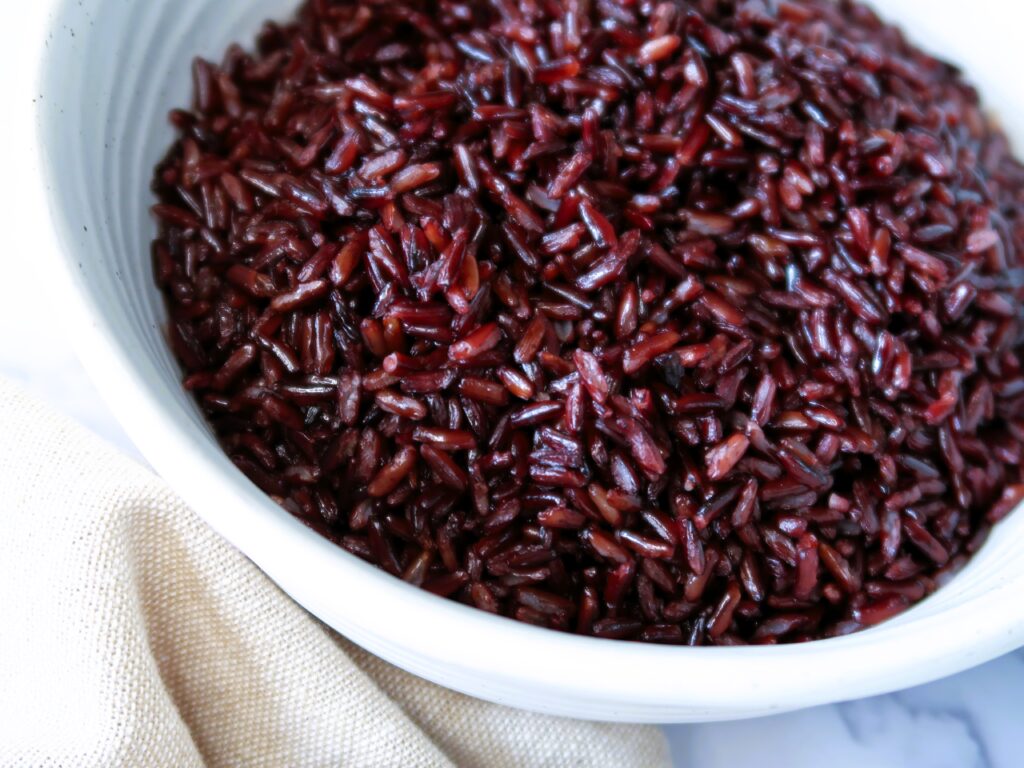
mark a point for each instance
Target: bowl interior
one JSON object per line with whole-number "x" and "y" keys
{"x": 111, "y": 72}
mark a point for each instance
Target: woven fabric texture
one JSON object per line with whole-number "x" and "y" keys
{"x": 132, "y": 635}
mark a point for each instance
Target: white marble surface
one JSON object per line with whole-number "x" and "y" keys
{"x": 973, "y": 720}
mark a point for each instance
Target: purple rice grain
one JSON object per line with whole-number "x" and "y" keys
{"x": 680, "y": 322}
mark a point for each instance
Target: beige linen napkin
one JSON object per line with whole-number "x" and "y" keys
{"x": 131, "y": 635}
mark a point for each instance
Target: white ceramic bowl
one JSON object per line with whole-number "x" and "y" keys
{"x": 111, "y": 71}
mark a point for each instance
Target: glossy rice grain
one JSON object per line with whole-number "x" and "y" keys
{"x": 681, "y": 322}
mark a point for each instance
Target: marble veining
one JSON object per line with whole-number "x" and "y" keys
{"x": 970, "y": 720}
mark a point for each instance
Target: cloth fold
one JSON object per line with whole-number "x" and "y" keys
{"x": 132, "y": 635}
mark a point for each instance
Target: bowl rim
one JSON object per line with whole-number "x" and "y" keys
{"x": 461, "y": 647}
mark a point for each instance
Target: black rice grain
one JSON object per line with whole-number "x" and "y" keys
{"x": 684, "y": 322}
